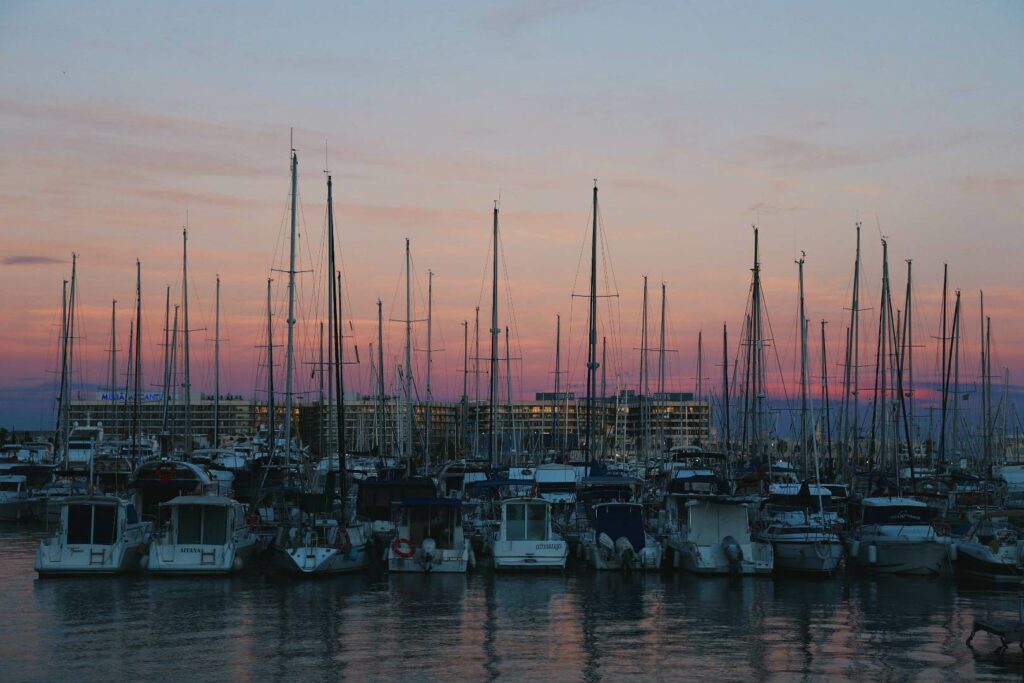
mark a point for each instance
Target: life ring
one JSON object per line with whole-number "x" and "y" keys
{"x": 165, "y": 471}
{"x": 940, "y": 529}
{"x": 403, "y": 547}
{"x": 342, "y": 541}
{"x": 251, "y": 519}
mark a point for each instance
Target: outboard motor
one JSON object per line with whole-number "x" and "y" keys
{"x": 626, "y": 553}
{"x": 428, "y": 548}
{"x": 733, "y": 554}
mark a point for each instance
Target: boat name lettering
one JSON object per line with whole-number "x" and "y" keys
{"x": 548, "y": 546}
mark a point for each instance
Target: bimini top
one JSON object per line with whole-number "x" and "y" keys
{"x": 430, "y": 502}
{"x": 219, "y": 501}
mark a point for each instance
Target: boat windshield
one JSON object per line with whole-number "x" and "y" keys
{"x": 202, "y": 525}
{"x": 9, "y": 486}
{"x": 92, "y": 524}
{"x": 903, "y": 515}
{"x": 525, "y": 522}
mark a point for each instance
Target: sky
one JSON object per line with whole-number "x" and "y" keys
{"x": 122, "y": 121}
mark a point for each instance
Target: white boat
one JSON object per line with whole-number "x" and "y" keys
{"x": 617, "y": 540}
{"x": 96, "y": 535}
{"x": 802, "y": 527}
{"x": 83, "y": 444}
{"x": 16, "y": 503}
{"x": 429, "y": 538}
{"x": 202, "y": 535}
{"x": 993, "y": 550}
{"x": 525, "y": 539}
{"x": 324, "y": 547}
{"x": 895, "y": 536}
{"x": 718, "y": 541}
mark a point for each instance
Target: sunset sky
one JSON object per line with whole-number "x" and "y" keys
{"x": 697, "y": 119}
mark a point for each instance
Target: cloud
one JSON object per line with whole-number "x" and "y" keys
{"x": 30, "y": 260}
{"x": 992, "y": 184}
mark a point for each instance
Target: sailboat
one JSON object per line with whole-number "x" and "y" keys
{"x": 326, "y": 541}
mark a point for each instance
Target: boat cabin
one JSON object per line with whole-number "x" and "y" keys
{"x": 439, "y": 519}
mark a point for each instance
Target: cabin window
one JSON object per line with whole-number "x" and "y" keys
{"x": 202, "y": 525}
{"x": 215, "y": 520}
{"x": 9, "y": 486}
{"x": 92, "y": 524}
{"x": 524, "y": 522}
{"x": 190, "y": 524}
{"x": 79, "y": 524}
{"x": 515, "y": 522}
{"x": 104, "y": 524}
{"x": 536, "y": 522}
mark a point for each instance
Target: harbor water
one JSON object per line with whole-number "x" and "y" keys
{"x": 573, "y": 626}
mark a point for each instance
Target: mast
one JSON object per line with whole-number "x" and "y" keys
{"x": 465, "y": 384}
{"x": 700, "y": 368}
{"x": 908, "y": 359}
{"x": 272, "y": 437}
{"x": 216, "y": 369}
{"x": 185, "y": 342}
{"x": 113, "y": 348}
{"x": 495, "y": 330}
{"x": 167, "y": 372}
{"x": 851, "y": 373}
{"x": 954, "y": 433}
{"x": 946, "y": 371}
{"x": 989, "y": 421}
{"x": 72, "y": 307}
{"x": 380, "y": 378}
{"x": 511, "y": 407}
{"x": 555, "y": 398}
{"x": 591, "y": 335}
{"x": 803, "y": 367}
{"x": 661, "y": 374}
{"x": 321, "y": 451}
{"x": 172, "y": 371}
{"x": 337, "y": 347}
{"x": 138, "y": 361}
{"x": 604, "y": 395}
{"x": 430, "y": 312}
{"x": 643, "y": 389}
{"x": 755, "y": 352}
{"x": 476, "y": 384}
{"x": 824, "y": 395}
{"x": 408, "y": 359}
{"x": 725, "y": 388}
{"x": 59, "y": 435}
{"x": 984, "y": 372}
{"x": 290, "y": 351}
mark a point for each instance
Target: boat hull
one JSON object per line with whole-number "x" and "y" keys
{"x": 519, "y": 555}
{"x": 808, "y": 555}
{"x": 193, "y": 560}
{"x": 977, "y": 563}
{"x": 53, "y": 559}
{"x": 711, "y": 560}
{"x": 894, "y": 556}
{"x": 320, "y": 561}
{"x": 441, "y": 562}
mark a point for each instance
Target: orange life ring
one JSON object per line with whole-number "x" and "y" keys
{"x": 165, "y": 471}
{"x": 403, "y": 547}
{"x": 252, "y": 519}
{"x": 940, "y": 529}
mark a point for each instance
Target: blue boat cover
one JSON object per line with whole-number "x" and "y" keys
{"x": 621, "y": 520}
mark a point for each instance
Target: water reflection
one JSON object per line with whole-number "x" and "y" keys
{"x": 585, "y": 626}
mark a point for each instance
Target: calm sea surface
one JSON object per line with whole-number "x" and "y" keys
{"x": 578, "y": 626}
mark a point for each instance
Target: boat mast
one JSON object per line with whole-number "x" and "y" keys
{"x": 59, "y": 435}
{"x": 755, "y": 355}
{"x": 272, "y": 439}
{"x": 643, "y": 388}
{"x": 138, "y": 362}
{"x": 465, "y": 385}
{"x": 185, "y": 342}
{"x": 380, "y": 378}
{"x": 908, "y": 359}
{"x": 700, "y": 375}
{"x": 290, "y": 350}
{"x": 954, "y": 432}
{"x": 725, "y": 389}
{"x": 337, "y": 346}
{"x": 558, "y": 387}
{"x": 113, "y": 349}
{"x": 495, "y": 330}
{"x": 604, "y": 395}
{"x": 660, "y": 397}
{"x": 408, "y": 359}
{"x": 591, "y": 335}
{"x": 825, "y": 398}
{"x": 167, "y": 372}
{"x": 511, "y": 408}
{"x": 476, "y": 384}
{"x": 216, "y": 369}
{"x": 173, "y": 370}
{"x": 803, "y": 367}
{"x": 427, "y": 410}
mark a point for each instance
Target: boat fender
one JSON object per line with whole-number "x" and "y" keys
{"x": 237, "y": 563}
{"x": 952, "y": 552}
{"x": 606, "y": 542}
{"x": 144, "y": 562}
{"x": 872, "y": 554}
{"x": 429, "y": 547}
{"x": 854, "y": 548}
